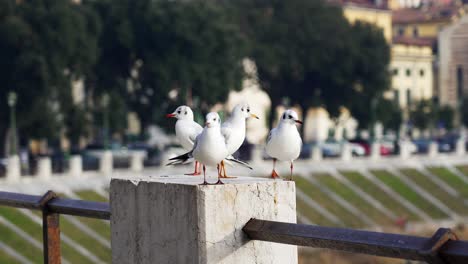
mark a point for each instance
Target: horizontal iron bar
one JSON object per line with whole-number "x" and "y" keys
{"x": 356, "y": 241}
{"x": 57, "y": 205}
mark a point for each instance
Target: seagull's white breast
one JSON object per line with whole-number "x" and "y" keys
{"x": 211, "y": 147}
{"x": 186, "y": 132}
{"x": 285, "y": 143}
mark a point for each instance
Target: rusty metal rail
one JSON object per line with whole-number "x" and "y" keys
{"x": 442, "y": 247}
{"x": 51, "y": 207}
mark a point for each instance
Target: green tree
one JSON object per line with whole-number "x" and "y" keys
{"x": 45, "y": 44}
{"x": 153, "y": 47}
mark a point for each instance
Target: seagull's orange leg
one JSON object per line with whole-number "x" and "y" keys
{"x": 196, "y": 172}
{"x": 274, "y": 175}
{"x": 223, "y": 167}
{"x": 219, "y": 174}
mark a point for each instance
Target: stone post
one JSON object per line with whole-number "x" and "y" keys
{"x": 375, "y": 151}
{"x": 405, "y": 151}
{"x": 346, "y": 152}
{"x": 13, "y": 169}
{"x": 316, "y": 154}
{"x": 44, "y": 168}
{"x": 175, "y": 220}
{"x": 76, "y": 166}
{"x": 433, "y": 149}
{"x": 136, "y": 161}
{"x": 106, "y": 163}
{"x": 460, "y": 147}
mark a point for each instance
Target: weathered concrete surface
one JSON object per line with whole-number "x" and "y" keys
{"x": 176, "y": 220}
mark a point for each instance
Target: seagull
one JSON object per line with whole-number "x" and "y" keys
{"x": 233, "y": 130}
{"x": 284, "y": 142}
{"x": 186, "y": 130}
{"x": 210, "y": 146}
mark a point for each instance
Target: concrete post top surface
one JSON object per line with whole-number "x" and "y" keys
{"x": 197, "y": 180}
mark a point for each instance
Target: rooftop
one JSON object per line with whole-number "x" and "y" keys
{"x": 425, "y": 14}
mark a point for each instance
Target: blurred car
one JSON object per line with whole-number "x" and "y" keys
{"x": 422, "y": 145}
{"x": 331, "y": 148}
{"x": 385, "y": 147}
{"x": 447, "y": 142}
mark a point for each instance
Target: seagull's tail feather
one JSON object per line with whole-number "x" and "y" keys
{"x": 182, "y": 159}
{"x": 240, "y": 162}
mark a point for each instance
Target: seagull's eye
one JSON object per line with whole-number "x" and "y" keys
{"x": 178, "y": 112}
{"x": 214, "y": 119}
{"x": 185, "y": 112}
{"x": 284, "y": 116}
{"x": 242, "y": 109}
{"x": 290, "y": 117}
{"x": 248, "y": 110}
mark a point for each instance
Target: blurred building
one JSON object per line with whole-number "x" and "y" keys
{"x": 412, "y": 70}
{"x": 453, "y": 62}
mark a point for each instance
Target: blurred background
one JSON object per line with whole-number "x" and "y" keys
{"x": 366, "y": 76}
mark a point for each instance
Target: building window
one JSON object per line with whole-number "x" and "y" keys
{"x": 421, "y": 73}
{"x": 460, "y": 81}
{"x": 395, "y": 71}
{"x": 408, "y": 72}
{"x": 401, "y": 31}
{"x": 415, "y": 32}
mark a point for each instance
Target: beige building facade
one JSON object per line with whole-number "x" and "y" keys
{"x": 412, "y": 70}
{"x": 453, "y": 62}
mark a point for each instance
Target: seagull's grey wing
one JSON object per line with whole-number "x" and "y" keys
{"x": 270, "y": 135}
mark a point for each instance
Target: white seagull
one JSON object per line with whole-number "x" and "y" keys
{"x": 233, "y": 130}
{"x": 284, "y": 142}
{"x": 210, "y": 147}
{"x": 186, "y": 130}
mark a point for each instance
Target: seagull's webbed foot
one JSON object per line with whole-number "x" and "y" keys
{"x": 219, "y": 182}
{"x": 205, "y": 183}
{"x": 193, "y": 173}
{"x": 275, "y": 175}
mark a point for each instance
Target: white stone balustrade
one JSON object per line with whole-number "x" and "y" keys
{"x": 316, "y": 154}
{"x": 175, "y": 220}
{"x": 433, "y": 149}
{"x": 136, "y": 161}
{"x": 44, "y": 168}
{"x": 375, "y": 151}
{"x": 346, "y": 152}
{"x": 76, "y": 166}
{"x": 106, "y": 164}
{"x": 13, "y": 169}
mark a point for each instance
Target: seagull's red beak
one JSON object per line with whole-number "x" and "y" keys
{"x": 170, "y": 115}
{"x": 298, "y": 121}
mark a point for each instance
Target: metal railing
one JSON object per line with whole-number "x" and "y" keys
{"x": 442, "y": 247}
{"x": 51, "y": 207}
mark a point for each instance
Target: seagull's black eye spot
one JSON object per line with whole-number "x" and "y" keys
{"x": 242, "y": 109}
{"x": 185, "y": 112}
{"x": 178, "y": 112}
{"x": 284, "y": 116}
{"x": 248, "y": 110}
{"x": 214, "y": 119}
{"x": 290, "y": 117}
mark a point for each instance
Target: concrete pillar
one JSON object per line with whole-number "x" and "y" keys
{"x": 13, "y": 169}
{"x": 460, "y": 147}
{"x": 176, "y": 220}
{"x": 44, "y": 168}
{"x": 375, "y": 151}
{"x": 316, "y": 154}
{"x": 405, "y": 151}
{"x": 76, "y": 166}
{"x": 433, "y": 149}
{"x": 136, "y": 161}
{"x": 106, "y": 163}
{"x": 346, "y": 152}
